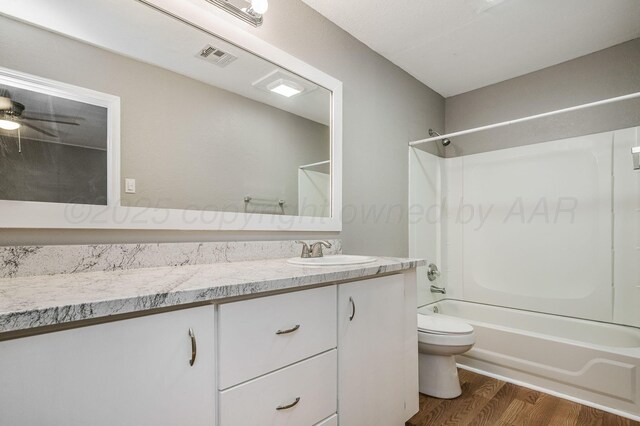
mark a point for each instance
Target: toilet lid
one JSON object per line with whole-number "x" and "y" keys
{"x": 436, "y": 323}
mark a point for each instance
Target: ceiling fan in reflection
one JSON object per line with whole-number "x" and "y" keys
{"x": 13, "y": 117}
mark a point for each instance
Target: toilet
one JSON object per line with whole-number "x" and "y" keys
{"x": 440, "y": 338}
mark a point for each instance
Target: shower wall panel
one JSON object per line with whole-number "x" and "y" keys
{"x": 626, "y": 225}
{"x": 425, "y": 207}
{"x": 537, "y": 228}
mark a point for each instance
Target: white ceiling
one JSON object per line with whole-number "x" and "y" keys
{"x": 116, "y": 25}
{"x": 453, "y": 46}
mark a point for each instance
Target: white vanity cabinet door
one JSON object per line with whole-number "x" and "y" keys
{"x": 371, "y": 352}
{"x": 129, "y": 372}
{"x": 411, "y": 394}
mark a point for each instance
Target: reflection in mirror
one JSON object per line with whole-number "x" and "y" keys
{"x": 314, "y": 184}
{"x": 51, "y": 149}
{"x": 205, "y": 124}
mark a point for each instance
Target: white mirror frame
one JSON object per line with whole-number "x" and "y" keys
{"x": 27, "y": 214}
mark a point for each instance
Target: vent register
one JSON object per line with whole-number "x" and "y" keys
{"x": 216, "y": 56}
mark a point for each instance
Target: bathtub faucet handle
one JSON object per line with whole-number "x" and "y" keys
{"x": 432, "y": 272}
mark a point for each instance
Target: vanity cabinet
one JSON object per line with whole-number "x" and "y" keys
{"x": 371, "y": 355}
{"x": 337, "y": 354}
{"x": 129, "y": 372}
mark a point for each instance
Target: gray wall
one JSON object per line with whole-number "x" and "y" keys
{"x": 51, "y": 172}
{"x": 384, "y": 108}
{"x": 221, "y": 148}
{"x": 608, "y": 73}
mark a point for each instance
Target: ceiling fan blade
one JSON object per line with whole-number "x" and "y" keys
{"x": 34, "y": 115}
{"x": 71, "y": 123}
{"x": 38, "y": 129}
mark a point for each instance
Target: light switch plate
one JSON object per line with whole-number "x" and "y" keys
{"x": 130, "y": 186}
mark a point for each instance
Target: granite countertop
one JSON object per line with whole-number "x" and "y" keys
{"x": 38, "y": 301}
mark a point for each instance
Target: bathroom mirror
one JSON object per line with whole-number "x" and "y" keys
{"x": 210, "y": 135}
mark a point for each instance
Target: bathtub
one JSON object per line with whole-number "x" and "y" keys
{"x": 595, "y": 364}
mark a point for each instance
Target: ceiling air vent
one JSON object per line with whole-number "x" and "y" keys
{"x": 216, "y": 56}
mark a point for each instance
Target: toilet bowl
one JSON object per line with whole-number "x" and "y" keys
{"x": 440, "y": 338}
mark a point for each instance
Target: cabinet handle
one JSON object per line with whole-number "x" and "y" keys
{"x": 353, "y": 309}
{"x": 194, "y": 348}
{"x": 286, "y": 407}
{"x": 289, "y": 330}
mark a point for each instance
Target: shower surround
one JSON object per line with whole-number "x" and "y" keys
{"x": 551, "y": 227}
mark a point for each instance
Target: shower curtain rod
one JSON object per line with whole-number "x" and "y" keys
{"x": 319, "y": 163}
{"x": 531, "y": 117}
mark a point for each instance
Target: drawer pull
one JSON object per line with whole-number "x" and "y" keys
{"x": 286, "y": 407}
{"x": 353, "y": 309}
{"x": 289, "y": 330}
{"x": 194, "y": 348}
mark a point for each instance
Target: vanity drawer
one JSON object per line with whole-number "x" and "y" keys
{"x": 261, "y": 335}
{"x": 256, "y": 403}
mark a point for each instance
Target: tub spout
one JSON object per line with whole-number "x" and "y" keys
{"x": 436, "y": 289}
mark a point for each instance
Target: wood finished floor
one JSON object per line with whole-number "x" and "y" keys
{"x": 488, "y": 401}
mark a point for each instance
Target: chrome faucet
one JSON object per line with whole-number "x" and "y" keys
{"x": 315, "y": 250}
{"x": 433, "y": 274}
{"x": 306, "y": 253}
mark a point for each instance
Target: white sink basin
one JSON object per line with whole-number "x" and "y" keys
{"x": 332, "y": 260}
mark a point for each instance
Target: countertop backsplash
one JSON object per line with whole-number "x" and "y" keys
{"x": 26, "y": 261}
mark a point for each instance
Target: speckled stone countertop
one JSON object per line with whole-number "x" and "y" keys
{"x": 37, "y": 301}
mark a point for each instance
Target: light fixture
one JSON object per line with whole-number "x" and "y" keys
{"x": 251, "y": 14}
{"x": 259, "y": 6}
{"x": 285, "y": 88}
{"x": 285, "y": 84}
{"x": 9, "y": 124}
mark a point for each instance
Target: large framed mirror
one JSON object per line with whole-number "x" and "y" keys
{"x": 185, "y": 122}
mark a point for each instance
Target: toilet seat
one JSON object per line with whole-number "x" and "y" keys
{"x": 436, "y": 329}
{"x": 440, "y": 324}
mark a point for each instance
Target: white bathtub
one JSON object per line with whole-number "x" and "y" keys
{"x": 589, "y": 362}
